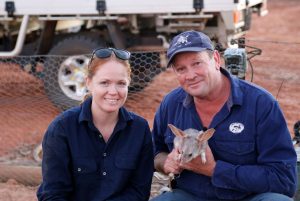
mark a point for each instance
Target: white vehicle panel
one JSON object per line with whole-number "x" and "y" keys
{"x": 88, "y": 7}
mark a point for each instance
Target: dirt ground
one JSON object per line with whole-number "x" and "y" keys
{"x": 277, "y": 70}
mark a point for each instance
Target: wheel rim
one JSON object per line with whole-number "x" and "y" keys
{"x": 71, "y": 76}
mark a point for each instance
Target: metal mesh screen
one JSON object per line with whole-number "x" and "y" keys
{"x": 34, "y": 89}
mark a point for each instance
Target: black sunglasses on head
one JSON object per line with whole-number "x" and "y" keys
{"x": 106, "y": 52}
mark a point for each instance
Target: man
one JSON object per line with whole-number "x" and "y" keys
{"x": 250, "y": 156}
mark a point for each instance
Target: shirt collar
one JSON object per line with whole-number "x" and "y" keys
{"x": 236, "y": 94}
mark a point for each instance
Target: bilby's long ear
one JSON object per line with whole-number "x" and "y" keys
{"x": 206, "y": 135}
{"x": 176, "y": 131}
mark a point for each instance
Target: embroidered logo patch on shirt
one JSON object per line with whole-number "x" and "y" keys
{"x": 236, "y": 127}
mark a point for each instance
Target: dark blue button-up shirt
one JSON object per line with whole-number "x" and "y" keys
{"x": 79, "y": 166}
{"x": 252, "y": 145}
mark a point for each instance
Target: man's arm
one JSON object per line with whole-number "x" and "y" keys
{"x": 275, "y": 167}
{"x": 274, "y": 171}
{"x": 159, "y": 162}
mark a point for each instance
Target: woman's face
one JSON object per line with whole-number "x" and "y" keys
{"x": 109, "y": 86}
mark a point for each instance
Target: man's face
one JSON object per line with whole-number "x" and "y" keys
{"x": 196, "y": 72}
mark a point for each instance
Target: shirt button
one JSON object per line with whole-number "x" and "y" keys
{"x": 78, "y": 169}
{"x": 104, "y": 173}
{"x": 104, "y": 154}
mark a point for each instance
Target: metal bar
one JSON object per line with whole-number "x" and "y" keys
{"x": 20, "y": 41}
{"x": 203, "y": 16}
{"x": 79, "y": 18}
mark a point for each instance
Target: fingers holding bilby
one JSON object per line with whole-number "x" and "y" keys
{"x": 172, "y": 164}
{"x": 196, "y": 165}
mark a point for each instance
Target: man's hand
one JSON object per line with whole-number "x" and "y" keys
{"x": 172, "y": 164}
{"x": 168, "y": 163}
{"x": 197, "y": 166}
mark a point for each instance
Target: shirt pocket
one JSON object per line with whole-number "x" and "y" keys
{"x": 126, "y": 161}
{"x": 236, "y": 152}
{"x": 125, "y": 166}
{"x": 86, "y": 175}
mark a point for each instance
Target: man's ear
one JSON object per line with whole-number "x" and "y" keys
{"x": 217, "y": 59}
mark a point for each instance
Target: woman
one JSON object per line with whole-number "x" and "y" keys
{"x": 99, "y": 151}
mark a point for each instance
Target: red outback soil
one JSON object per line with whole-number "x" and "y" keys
{"x": 277, "y": 34}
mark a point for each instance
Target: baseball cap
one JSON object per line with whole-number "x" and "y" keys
{"x": 188, "y": 41}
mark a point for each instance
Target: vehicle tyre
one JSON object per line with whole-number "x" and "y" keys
{"x": 65, "y": 70}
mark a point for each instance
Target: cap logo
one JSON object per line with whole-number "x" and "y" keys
{"x": 182, "y": 40}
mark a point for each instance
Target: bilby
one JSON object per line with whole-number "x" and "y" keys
{"x": 191, "y": 143}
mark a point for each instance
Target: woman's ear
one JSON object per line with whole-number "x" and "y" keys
{"x": 88, "y": 83}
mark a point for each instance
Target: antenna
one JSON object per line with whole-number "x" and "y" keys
{"x": 279, "y": 89}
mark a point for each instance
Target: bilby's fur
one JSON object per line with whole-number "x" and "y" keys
{"x": 191, "y": 143}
